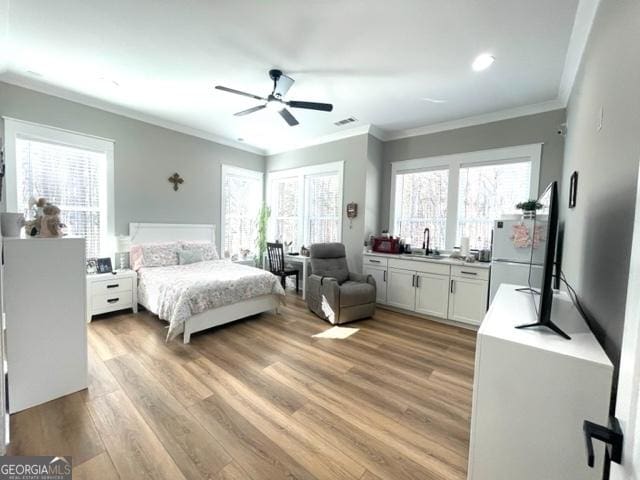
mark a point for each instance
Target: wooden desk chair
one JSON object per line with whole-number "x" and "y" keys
{"x": 275, "y": 251}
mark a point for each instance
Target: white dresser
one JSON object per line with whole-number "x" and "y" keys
{"x": 532, "y": 391}
{"x": 46, "y": 336}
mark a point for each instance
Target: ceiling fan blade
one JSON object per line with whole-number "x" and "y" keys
{"x": 249, "y": 110}
{"x": 290, "y": 119}
{"x": 238, "y": 92}
{"x": 324, "y": 107}
{"x": 282, "y": 86}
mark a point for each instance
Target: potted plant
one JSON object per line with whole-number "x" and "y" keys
{"x": 261, "y": 240}
{"x": 529, "y": 208}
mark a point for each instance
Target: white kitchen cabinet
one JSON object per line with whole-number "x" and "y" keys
{"x": 467, "y": 299}
{"x": 445, "y": 288}
{"x": 432, "y": 294}
{"x": 380, "y": 276}
{"x": 400, "y": 289}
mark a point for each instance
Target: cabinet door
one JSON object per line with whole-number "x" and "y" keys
{"x": 400, "y": 290}
{"x": 380, "y": 276}
{"x": 432, "y": 294}
{"x": 467, "y": 300}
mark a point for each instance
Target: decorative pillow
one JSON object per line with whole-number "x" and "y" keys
{"x": 185, "y": 257}
{"x": 207, "y": 249}
{"x": 154, "y": 255}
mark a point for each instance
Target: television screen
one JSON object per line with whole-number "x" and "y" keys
{"x": 540, "y": 243}
{"x": 543, "y": 249}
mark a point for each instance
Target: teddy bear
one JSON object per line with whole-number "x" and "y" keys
{"x": 50, "y": 225}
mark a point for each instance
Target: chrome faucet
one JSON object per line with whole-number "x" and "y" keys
{"x": 425, "y": 241}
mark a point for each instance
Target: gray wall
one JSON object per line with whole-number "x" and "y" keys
{"x": 598, "y": 231}
{"x": 373, "y": 186}
{"x": 145, "y": 156}
{"x": 517, "y": 131}
{"x": 353, "y": 152}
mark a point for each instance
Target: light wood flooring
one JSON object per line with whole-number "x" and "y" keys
{"x": 261, "y": 399}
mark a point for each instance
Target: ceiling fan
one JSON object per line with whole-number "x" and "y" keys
{"x": 275, "y": 100}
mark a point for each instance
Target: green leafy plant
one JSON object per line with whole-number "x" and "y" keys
{"x": 261, "y": 239}
{"x": 529, "y": 206}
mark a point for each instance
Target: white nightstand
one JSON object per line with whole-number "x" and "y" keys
{"x": 107, "y": 292}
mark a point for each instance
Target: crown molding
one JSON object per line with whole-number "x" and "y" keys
{"x": 585, "y": 16}
{"x": 47, "y": 89}
{"x": 497, "y": 116}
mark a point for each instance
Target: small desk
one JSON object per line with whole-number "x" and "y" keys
{"x": 305, "y": 268}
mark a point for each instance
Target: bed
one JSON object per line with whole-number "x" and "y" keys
{"x": 200, "y": 295}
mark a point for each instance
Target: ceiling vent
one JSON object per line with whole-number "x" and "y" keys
{"x": 346, "y": 121}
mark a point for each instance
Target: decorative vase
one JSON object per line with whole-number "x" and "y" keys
{"x": 11, "y": 224}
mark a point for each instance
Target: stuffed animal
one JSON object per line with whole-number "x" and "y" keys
{"x": 47, "y": 219}
{"x": 50, "y": 225}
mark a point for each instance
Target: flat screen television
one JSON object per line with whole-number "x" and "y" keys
{"x": 545, "y": 231}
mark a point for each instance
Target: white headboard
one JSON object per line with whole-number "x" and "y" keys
{"x": 171, "y": 232}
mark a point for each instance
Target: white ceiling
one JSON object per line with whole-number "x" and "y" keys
{"x": 375, "y": 60}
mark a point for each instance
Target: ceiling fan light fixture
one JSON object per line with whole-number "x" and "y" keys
{"x": 274, "y": 105}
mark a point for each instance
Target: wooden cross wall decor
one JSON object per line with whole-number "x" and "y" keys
{"x": 176, "y": 179}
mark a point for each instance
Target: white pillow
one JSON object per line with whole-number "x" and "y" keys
{"x": 207, "y": 249}
{"x": 154, "y": 254}
{"x": 185, "y": 257}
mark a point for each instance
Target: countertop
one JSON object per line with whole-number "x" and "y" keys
{"x": 446, "y": 260}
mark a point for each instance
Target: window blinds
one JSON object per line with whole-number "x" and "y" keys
{"x": 323, "y": 209}
{"x": 486, "y": 192}
{"x": 243, "y": 197}
{"x": 72, "y": 178}
{"x": 286, "y": 204}
{"x": 421, "y": 202}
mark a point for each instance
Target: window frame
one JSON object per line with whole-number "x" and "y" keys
{"x": 14, "y": 128}
{"x": 225, "y": 170}
{"x": 453, "y": 162}
{"x": 303, "y": 201}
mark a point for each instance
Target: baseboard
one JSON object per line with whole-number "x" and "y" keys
{"x": 446, "y": 321}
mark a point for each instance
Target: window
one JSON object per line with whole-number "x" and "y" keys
{"x": 241, "y": 201}
{"x": 486, "y": 192}
{"x": 421, "y": 202}
{"x": 71, "y": 171}
{"x": 306, "y": 204}
{"x": 285, "y": 209}
{"x": 323, "y": 211}
{"x": 461, "y": 195}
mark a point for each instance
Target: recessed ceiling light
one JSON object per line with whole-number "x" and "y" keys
{"x": 482, "y": 62}
{"x": 33, "y": 73}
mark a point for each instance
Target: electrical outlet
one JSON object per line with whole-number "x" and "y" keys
{"x": 600, "y": 118}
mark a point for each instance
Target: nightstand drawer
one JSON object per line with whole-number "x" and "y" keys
{"x": 110, "y": 302}
{"x": 108, "y": 287}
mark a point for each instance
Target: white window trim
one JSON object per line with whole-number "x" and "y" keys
{"x": 301, "y": 173}
{"x": 14, "y": 127}
{"x": 243, "y": 172}
{"x": 453, "y": 162}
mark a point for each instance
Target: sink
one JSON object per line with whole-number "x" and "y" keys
{"x": 428, "y": 257}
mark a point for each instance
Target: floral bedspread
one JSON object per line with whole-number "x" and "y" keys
{"x": 177, "y": 292}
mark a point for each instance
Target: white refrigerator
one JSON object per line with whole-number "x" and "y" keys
{"x": 509, "y": 261}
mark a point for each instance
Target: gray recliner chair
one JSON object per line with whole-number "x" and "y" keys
{"x": 333, "y": 292}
